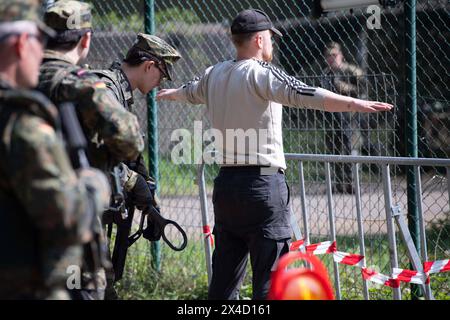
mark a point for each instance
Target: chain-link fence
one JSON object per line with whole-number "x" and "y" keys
{"x": 376, "y": 59}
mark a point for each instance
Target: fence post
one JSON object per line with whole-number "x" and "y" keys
{"x": 204, "y": 208}
{"x": 305, "y": 213}
{"x": 411, "y": 126}
{"x": 337, "y": 282}
{"x": 390, "y": 225}
{"x": 152, "y": 129}
{"x": 362, "y": 248}
{"x": 423, "y": 235}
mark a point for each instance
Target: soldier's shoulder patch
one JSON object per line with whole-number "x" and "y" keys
{"x": 99, "y": 85}
{"x": 45, "y": 128}
{"x": 81, "y": 72}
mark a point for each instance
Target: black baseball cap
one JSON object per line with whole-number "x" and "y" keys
{"x": 252, "y": 20}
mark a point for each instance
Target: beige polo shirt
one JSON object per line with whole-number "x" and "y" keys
{"x": 244, "y": 99}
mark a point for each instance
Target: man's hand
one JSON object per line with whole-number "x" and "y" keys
{"x": 359, "y": 105}
{"x": 141, "y": 194}
{"x": 169, "y": 94}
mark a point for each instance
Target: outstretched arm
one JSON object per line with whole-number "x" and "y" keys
{"x": 170, "y": 94}
{"x": 276, "y": 85}
{"x": 193, "y": 92}
{"x": 337, "y": 103}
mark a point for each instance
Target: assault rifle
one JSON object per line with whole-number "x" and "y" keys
{"x": 94, "y": 251}
{"x": 117, "y": 210}
{"x": 155, "y": 228}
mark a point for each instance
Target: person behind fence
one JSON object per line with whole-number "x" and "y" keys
{"x": 346, "y": 79}
{"x": 43, "y": 201}
{"x": 113, "y": 132}
{"x": 250, "y": 195}
{"x": 148, "y": 62}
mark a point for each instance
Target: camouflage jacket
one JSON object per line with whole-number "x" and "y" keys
{"x": 113, "y": 132}
{"x": 41, "y": 198}
{"x": 117, "y": 83}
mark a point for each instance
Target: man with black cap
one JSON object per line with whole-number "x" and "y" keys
{"x": 250, "y": 194}
{"x": 44, "y": 202}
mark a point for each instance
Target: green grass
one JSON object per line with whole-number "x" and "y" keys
{"x": 183, "y": 274}
{"x": 181, "y": 180}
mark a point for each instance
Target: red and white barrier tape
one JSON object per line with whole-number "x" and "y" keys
{"x": 379, "y": 278}
{"x": 296, "y": 245}
{"x": 398, "y": 275}
{"x": 208, "y": 234}
{"x": 317, "y": 248}
{"x": 436, "y": 266}
{"x": 321, "y": 248}
{"x": 348, "y": 259}
{"x": 411, "y": 276}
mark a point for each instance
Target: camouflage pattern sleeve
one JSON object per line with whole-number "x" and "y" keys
{"x": 102, "y": 114}
{"x": 49, "y": 191}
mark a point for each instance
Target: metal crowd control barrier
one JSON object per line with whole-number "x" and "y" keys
{"x": 204, "y": 207}
{"x": 393, "y": 215}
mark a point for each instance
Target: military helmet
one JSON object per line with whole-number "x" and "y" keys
{"x": 150, "y": 47}
{"x": 23, "y": 10}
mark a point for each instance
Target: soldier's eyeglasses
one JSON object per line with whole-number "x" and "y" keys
{"x": 42, "y": 38}
{"x": 162, "y": 71}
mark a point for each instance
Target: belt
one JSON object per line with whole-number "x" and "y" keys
{"x": 262, "y": 170}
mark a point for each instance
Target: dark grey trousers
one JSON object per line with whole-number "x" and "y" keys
{"x": 251, "y": 218}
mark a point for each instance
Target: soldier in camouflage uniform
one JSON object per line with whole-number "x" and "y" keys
{"x": 43, "y": 201}
{"x": 113, "y": 132}
{"x": 345, "y": 79}
{"x": 148, "y": 62}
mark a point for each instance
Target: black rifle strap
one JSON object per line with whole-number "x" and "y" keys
{"x": 120, "y": 250}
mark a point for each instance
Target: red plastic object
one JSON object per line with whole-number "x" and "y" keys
{"x": 300, "y": 283}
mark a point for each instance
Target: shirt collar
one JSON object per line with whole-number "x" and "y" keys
{"x": 124, "y": 82}
{"x": 55, "y": 55}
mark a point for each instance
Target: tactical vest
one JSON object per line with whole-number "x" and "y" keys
{"x": 111, "y": 79}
